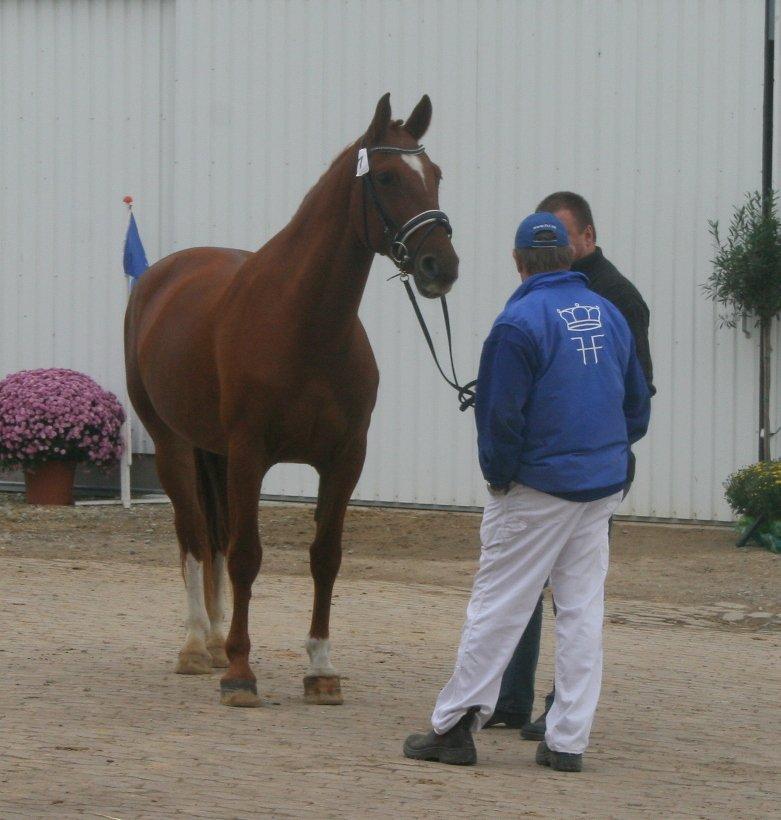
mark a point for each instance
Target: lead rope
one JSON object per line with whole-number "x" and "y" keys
{"x": 466, "y": 392}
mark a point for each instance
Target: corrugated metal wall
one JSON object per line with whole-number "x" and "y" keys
{"x": 85, "y": 91}
{"x": 218, "y": 117}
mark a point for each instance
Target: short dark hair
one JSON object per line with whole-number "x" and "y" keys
{"x": 575, "y": 203}
{"x": 542, "y": 260}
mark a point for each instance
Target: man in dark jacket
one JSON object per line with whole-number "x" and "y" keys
{"x": 516, "y": 698}
{"x": 561, "y": 396}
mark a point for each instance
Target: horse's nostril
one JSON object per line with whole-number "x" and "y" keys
{"x": 429, "y": 267}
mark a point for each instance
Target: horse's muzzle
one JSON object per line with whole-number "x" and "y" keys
{"x": 434, "y": 275}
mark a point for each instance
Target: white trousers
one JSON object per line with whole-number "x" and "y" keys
{"x": 528, "y": 537}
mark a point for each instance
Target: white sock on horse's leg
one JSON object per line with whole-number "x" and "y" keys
{"x": 219, "y": 577}
{"x": 319, "y": 651}
{"x": 216, "y": 639}
{"x": 194, "y": 658}
{"x": 197, "y": 616}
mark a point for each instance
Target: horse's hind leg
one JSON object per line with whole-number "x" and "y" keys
{"x": 215, "y": 606}
{"x": 176, "y": 467}
{"x": 212, "y": 481}
{"x": 337, "y": 482}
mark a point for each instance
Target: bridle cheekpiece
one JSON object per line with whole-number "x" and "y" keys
{"x": 397, "y": 238}
{"x": 400, "y": 256}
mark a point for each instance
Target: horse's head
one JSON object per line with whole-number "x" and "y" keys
{"x": 396, "y": 206}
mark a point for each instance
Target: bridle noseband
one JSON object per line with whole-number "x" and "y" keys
{"x": 397, "y": 238}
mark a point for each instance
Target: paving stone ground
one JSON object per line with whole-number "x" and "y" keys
{"x": 94, "y": 723}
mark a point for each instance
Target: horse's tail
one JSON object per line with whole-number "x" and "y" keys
{"x": 211, "y": 472}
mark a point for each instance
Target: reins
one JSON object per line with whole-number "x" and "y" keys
{"x": 401, "y": 258}
{"x": 466, "y": 392}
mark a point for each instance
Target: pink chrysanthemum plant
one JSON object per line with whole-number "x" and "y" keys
{"x": 58, "y": 415}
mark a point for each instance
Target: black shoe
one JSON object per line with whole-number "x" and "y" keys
{"x": 455, "y": 746}
{"x": 535, "y": 730}
{"x": 560, "y": 761}
{"x": 510, "y": 720}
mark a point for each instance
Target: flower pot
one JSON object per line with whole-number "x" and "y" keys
{"x": 50, "y": 482}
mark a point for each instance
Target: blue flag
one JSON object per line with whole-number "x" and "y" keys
{"x": 135, "y": 258}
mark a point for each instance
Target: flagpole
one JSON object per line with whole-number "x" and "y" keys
{"x": 127, "y": 427}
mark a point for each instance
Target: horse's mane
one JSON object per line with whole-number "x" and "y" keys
{"x": 325, "y": 178}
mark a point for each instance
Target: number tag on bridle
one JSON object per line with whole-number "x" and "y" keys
{"x": 363, "y": 163}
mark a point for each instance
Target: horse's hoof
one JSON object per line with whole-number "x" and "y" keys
{"x": 323, "y": 689}
{"x": 239, "y": 693}
{"x": 194, "y": 663}
{"x": 219, "y": 659}
{"x": 218, "y": 656}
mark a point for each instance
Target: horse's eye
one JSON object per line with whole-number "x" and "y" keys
{"x": 385, "y": 177}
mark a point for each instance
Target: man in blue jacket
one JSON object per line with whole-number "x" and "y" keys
{"x": 561, "y": 396}
{"x": 516, "y": 696}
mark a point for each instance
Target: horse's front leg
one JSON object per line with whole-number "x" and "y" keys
{"x": 245, "y": 473}
{"x": 337, "y": 482}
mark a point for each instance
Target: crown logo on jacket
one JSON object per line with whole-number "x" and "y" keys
{"x": 581, "y": 317}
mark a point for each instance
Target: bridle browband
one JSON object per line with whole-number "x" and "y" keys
{"x": 397, "y": 238}
{"x": 401, "y": 258}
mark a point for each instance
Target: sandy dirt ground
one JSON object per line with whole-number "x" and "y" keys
{"x": 94, "y": 723}
{"x": 673, "y": 564}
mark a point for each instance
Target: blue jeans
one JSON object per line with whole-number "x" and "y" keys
{"x": 517, "y": 693}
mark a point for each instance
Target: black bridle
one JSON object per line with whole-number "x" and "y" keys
{"x": 399, "y": 254}
{"x": 397, "y": 238}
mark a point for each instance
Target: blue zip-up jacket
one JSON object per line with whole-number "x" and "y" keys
{"x": 561, "y": 394}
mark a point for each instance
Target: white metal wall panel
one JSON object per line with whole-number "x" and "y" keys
{"x": 651, "y": 109}
{"x": 81, "y": 96}
{"x": 219, "y": 115}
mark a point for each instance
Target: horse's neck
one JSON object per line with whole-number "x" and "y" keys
{"x": 330, "y": 263}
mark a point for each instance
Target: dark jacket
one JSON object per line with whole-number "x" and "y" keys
{"x": 605, "y": 279}
{"x": 560, "y": 393}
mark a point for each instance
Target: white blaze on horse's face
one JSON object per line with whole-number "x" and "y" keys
{"x": 415, "y": 162}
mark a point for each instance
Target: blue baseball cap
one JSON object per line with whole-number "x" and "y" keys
{"x": 528, "y": 233}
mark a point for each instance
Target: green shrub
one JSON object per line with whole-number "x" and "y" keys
{"x": 746, "y": 269}
{"x": 755, "y": 491}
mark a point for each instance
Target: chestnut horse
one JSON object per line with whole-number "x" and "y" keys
{"x": 237, "y": 361}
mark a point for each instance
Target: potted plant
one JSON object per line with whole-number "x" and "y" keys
{"x": 52, "y": 419}
{"x": 755, "y": 494}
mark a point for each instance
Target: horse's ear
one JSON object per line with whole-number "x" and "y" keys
{"x": 418, "y": 121}
{"x": 381, "y": 121}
